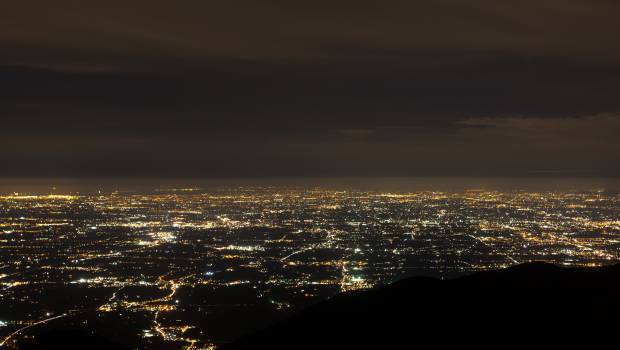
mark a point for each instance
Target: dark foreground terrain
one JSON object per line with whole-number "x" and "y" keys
{"x": 530, "y": 305}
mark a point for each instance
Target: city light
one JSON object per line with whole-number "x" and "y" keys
{"x": 145, "y": 260}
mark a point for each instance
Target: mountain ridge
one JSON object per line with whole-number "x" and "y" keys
{"x": 527, "y": 304}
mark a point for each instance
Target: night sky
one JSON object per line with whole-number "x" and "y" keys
{"x": 310, "y": 88}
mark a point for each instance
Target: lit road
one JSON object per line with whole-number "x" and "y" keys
{"x": 6, "y": 339}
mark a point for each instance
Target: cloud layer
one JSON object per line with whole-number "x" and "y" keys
{"x": 318, "y": 88}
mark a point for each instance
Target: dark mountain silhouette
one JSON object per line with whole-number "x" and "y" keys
{"x": 530, "y": 305}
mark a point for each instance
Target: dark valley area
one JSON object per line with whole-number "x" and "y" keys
{"x": 531, "y": 304}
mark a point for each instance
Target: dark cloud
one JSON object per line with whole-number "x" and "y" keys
{"x": 316, "y": 88}
{"x": 283, "y": 30}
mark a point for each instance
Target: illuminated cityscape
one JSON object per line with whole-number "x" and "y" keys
{"x": 189, "y": 268}
{"x": 233, "y": 175}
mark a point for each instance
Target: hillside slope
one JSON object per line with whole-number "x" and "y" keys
{"x": 527, "y": 305}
